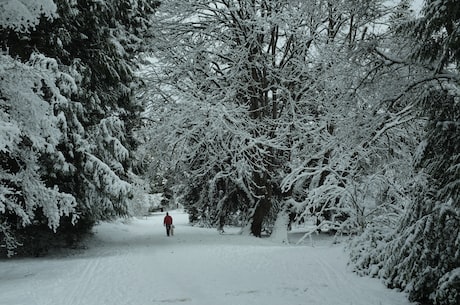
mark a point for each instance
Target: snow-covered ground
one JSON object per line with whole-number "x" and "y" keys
{"x": 134, "y": 263}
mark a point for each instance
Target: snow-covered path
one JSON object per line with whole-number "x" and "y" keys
{"x": 136, "y": 264}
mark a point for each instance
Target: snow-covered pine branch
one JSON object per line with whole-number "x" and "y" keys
{"x": 31, "y": 133}
{"x": 24, "y": 15}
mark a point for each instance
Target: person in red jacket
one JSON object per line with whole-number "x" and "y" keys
{"x": 167, "y": 222}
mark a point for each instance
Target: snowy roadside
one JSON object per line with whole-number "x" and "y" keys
{"x": 134, "y": 263}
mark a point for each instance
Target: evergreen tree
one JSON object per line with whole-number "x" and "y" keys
{"x": 420, "y": 253}
{"x": 30, "y": 134}
{"x": 423, "y": 257}
{"x": 426, "y": 260}
{"x": 93, "y": 46}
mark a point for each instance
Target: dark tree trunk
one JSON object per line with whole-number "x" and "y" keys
{"x": 260, "y": 213}
{"x": 264, "y": 205}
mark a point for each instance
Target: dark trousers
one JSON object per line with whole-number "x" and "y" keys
{"x": 168, "y": 229}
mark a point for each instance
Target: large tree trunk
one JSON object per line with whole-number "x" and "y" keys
{"x": 260, "y": 213}
{"x": 264, "y": 204}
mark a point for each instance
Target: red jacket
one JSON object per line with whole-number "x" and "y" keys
{"x": 167, "y": 220}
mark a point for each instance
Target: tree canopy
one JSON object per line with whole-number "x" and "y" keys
{"x": 289, "y": 119}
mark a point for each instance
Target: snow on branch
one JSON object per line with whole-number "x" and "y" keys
{"x": 24, "y": 15}
{"x": 105, "y": 179}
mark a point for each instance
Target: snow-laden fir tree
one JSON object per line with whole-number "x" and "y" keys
{"x": 85, "y": 54}
{"x": 30, "y": 133}
{"x": 425, "y": 256}
{"x": 420, "y": 252}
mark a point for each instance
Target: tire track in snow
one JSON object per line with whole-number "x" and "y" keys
{"x": 338, "y": 281}
{"x": 84, "y": 282}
